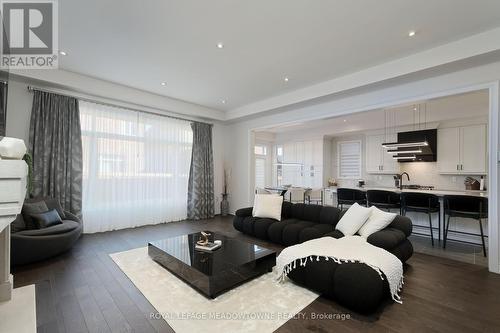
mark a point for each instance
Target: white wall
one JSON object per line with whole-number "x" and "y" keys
{"x": 18, "y": 119}
{"x": 19, "y": 102}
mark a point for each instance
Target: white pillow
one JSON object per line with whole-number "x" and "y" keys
{"x": 377, "y": 221}
{"x": 268, "y": 206}
{"x": 353, "y": 219}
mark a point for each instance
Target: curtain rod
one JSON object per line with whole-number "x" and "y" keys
{"x": 32, "y": 88}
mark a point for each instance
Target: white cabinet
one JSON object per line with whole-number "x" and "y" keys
{"x": 377, "y": 158}
{"x": 473, "y": 143}
{"x": 448, "y": 150}
{"x": 389, "y": 164}
{"x": 374, "y": 153}
{"x": 462, "y": 150}
{"x": 303, "y": 163}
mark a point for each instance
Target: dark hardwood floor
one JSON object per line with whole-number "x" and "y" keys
{"x": 84, "y": 291}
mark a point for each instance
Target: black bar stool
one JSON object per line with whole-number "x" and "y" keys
{"x": 350, "y": 196}
{"x": 467, "y": 207}
{"x": 422, "y": 203}
{"x": 383, "y": 199}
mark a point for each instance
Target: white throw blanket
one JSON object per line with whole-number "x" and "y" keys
{"x": 345, "y": 249}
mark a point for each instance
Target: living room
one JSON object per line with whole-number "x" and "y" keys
{"x": 169, "y": 180}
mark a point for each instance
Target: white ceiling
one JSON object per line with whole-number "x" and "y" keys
{"x": 143, "y": 43}
{"x": 451, "y": 108}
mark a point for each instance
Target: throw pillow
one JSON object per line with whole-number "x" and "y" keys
{"x": 18, "y": 224}
{"x": 30, "y": 208}
{"x": 267, "y": 206}
{"x": 46, "y": 219}
{"x": 377, "y": 221}
{"x": 353, "y": 219}
{"x": 54, "y": 204}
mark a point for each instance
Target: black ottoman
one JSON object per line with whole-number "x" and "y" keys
{"x": 354, "y": 285}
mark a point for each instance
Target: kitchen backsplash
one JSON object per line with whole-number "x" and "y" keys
{"x": 428, "y": 174}
{"x": 420, "y": 174}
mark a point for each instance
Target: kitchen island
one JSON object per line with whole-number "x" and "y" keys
{"x": 439, "y": 193}
{"x": 420, "y": 221}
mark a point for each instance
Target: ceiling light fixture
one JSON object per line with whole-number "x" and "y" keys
{"x": 412, "y": 151}
{"x": 412, "y": 33}
{"x": 345, "y": 120}
{"x": 223, "y": 101}
{"x": 405, "y": 144}
{"x": 220, "y": 45}
{"x": 164, "y": 83}
{"x": 286, "y": 79}
{"x": 411, "y": 157}
{"x": 63, "y": 53}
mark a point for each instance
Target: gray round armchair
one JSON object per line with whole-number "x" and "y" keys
{"x": 29, "y": 245}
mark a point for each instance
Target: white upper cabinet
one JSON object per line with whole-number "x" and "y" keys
{"x": 389, "y": 164}
{"x": 462, "y": 150}
{"x": 448, "y": 150}
{"x": 374, "y": 153}
{"x": 303, "y": 163}
{"x": 377, "y": 158}
{"x": 473, "y": 143}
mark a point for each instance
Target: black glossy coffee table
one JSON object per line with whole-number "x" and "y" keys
{"x": 212, "y": 273}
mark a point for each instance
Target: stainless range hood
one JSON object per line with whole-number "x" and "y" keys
{"x": 414, "y": 146}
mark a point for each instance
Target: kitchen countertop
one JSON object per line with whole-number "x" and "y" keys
{"x": 437, "y": 192}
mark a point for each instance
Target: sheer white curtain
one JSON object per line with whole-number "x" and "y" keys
{"x": 135, "y": 167}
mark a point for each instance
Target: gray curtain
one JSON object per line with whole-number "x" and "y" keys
{"x": 201, "y": 174}
{"x": 55, "y": 144}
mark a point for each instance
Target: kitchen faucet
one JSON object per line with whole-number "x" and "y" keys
{"x": 400, "y": 176}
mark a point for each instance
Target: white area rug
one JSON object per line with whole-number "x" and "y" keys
{"x": 260, "y": 305}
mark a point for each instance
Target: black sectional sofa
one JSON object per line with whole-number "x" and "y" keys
{"x": 353, "y": 285}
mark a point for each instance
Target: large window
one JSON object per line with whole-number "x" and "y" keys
{"x": 135, "y": 167}
{"x": 261, "y": 157}
{"x": 349, "y": 159}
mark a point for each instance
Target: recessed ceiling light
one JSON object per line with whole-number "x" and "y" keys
{"x": 223, "y": 101}
{"x": 345, "y": 120}
{"x": 286, "y": 79}
{"x": 62, "y": 53}
{"x": 412, "y": 33}
{"x": 220, "y": 45}
{"x": 164, "y": 83}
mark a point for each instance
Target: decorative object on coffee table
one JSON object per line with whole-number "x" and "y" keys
{"x": 212, "y": 273}
{"x": 203, "y": 238}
